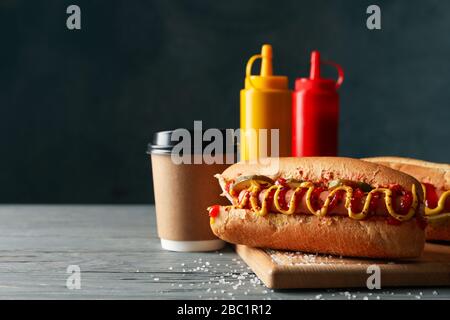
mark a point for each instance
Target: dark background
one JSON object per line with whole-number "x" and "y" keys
{"x": 77, "y": 108}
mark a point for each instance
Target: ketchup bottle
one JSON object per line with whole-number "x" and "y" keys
{"x": 315, "y": 112}
{"x": 266, "y": 103}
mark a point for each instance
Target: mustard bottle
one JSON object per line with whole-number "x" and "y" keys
{"x": 266, "y": 103}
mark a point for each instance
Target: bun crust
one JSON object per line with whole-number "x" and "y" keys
{"x": 437, "y": 174}
{"x": 326, "y": 168}
{"x": 372, "y": 238}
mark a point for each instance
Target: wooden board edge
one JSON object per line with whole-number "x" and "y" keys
{"x": 264, "y": 270}
{"x": 276, "y": 276}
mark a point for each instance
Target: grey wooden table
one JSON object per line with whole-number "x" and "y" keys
{"x": 119, "y": 255}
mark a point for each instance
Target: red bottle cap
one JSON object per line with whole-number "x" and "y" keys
{"x": 315, "y": 80}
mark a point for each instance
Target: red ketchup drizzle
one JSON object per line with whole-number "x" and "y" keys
{"x": 315, "y": 198}
{"x": 374, "y": 202}
{"x": 269, "y": 199}
{"x": 432, "y": 198}
{"x": 282, "y": 198}
{"x": 281, "y": 182}
{"x": 396, "y": 189}
{"x": 298, "y": 198}
{"x": 336, "y": 200}
{"x": 214, "y": 211}
{"x": 406, "y": 200}
{"x": 356, "y": 203}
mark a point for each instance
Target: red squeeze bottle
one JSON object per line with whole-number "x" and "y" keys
{"x": 315, "y": 112}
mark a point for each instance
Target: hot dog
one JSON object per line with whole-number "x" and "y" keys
{"x": 339, "y": 206}
{"x": 435, "y": 179}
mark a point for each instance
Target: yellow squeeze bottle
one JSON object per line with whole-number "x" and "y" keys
{"x": 265, "y": 104}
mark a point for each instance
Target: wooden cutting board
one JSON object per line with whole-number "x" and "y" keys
{"x": 284, "y": 270}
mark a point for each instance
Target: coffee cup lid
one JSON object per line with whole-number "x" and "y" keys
{"x": 162, "y": 142}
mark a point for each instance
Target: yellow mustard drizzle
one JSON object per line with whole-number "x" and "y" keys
{"x": 255, "y": 188}
{"x": 441, "y": 203}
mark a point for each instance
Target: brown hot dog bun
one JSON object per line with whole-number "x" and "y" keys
{"x": 340, "y": 236}
{"x": 331, "y": 234}
{"x": 439, "y": 231}
{"x": 437, "y": 174}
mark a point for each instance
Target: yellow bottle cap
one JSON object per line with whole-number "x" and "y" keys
{"x": 266, "y": 80}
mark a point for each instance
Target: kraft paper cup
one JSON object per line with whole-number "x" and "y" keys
{"x": 183, "y": 192}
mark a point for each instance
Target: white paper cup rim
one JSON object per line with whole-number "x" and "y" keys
{"x": 192, "y": 246}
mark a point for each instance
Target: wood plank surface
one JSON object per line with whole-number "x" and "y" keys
{"x": 119, "y": 254}
{"x": 285, "y": 270}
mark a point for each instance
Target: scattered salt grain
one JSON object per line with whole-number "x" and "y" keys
{"x": 156, "y": 279}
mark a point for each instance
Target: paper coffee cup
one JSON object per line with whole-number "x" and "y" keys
{"x": 183, "y": 192}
